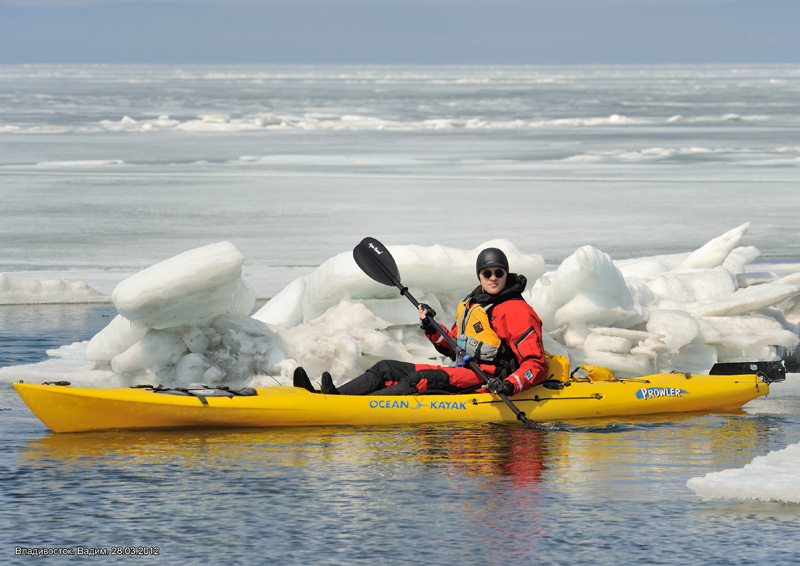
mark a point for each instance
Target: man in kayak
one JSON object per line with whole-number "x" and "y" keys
{"x": 494, "y": 325}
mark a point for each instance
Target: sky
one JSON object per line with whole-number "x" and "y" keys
{"x": 400, "y": 31}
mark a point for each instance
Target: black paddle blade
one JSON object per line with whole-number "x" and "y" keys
{"x": 375, "y": 260}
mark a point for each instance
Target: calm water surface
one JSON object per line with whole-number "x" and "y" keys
{"x": 606, "y": 492}
{"x": 28, "y": 331}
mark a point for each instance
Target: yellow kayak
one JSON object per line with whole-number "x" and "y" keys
{"x": 564, "y": 397}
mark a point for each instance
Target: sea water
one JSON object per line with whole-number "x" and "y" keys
{"x": 105, "y": 170}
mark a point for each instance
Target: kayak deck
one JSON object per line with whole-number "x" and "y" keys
{"x": 73, "y": 409}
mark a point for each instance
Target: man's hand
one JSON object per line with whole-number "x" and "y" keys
{"x": 424, "y": 312}
{"x": 495, "y": 385}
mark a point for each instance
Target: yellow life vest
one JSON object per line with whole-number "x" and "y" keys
{"x": 475, "y": 334}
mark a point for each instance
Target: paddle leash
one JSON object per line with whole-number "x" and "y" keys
{"x": 375, "y": 260}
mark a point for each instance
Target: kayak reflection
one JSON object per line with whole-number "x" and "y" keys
{"x": 575, "y": 454}
{"x": 480, "y": 450}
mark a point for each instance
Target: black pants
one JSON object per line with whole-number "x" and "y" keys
{"x": 405, "y": 374}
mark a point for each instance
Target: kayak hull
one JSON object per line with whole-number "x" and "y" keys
{"x": 75, "y": 409}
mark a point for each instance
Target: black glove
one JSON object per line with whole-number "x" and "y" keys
{"x": 495, "y": 385}
{"x": 430, "y": 313}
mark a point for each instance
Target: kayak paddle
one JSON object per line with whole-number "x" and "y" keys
{"x": 375, "y": 260}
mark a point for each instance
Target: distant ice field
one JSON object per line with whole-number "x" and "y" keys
{"x": 105, "y": 170}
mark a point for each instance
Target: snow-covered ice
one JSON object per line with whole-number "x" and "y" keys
{"x": 187, "y": 320}
{"x": 18, "y": 292}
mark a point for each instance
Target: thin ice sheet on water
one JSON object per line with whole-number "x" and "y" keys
{"x": 772, "y": 477}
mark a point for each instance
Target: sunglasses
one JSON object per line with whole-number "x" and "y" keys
{"x": 499, "y": 273}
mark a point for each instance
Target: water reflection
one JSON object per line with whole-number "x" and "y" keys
{"x": 497, "y": 452}
{"x": 488, "y": 451}
{"x": 482, "y": 450}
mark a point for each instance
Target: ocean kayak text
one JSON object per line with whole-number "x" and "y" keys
{"x": 403, "y": 404}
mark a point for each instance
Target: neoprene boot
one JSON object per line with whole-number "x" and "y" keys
{"x": 327, "y": 387}
{"x": 300, "y": 379}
